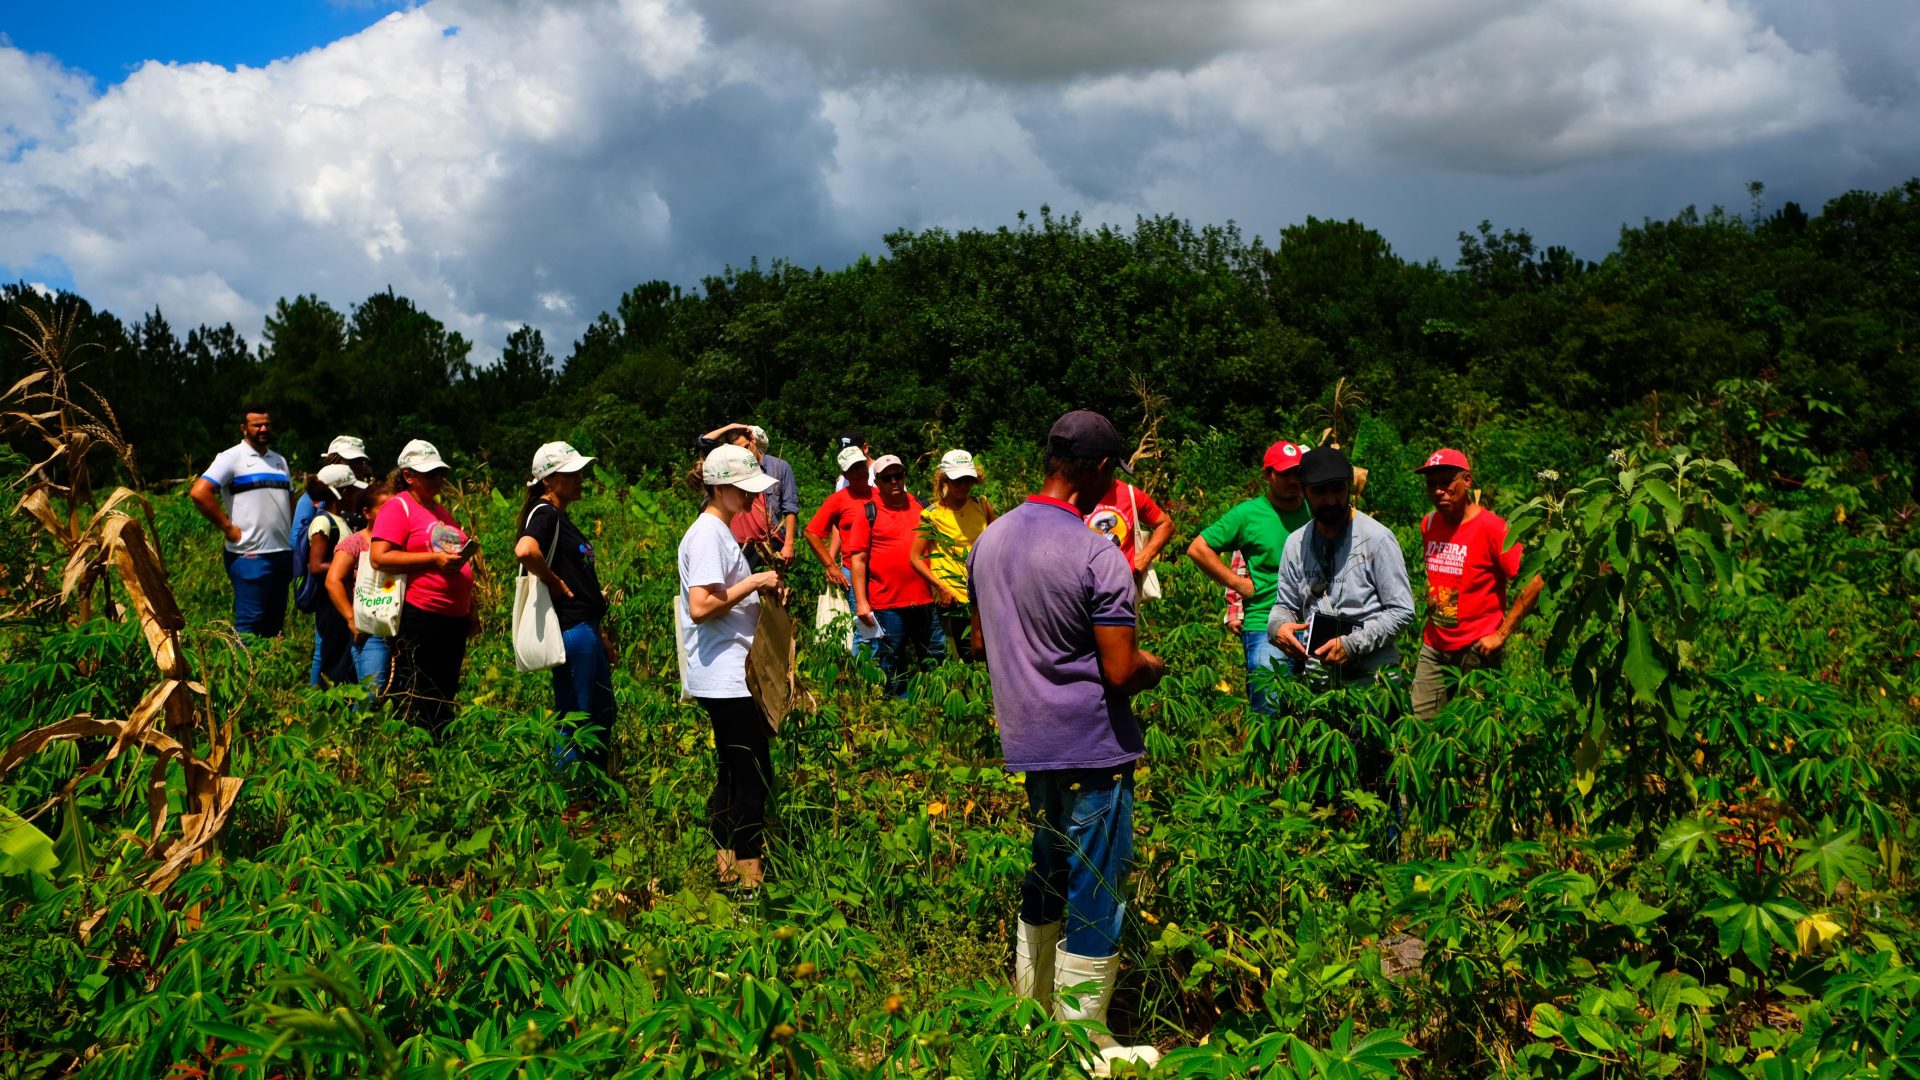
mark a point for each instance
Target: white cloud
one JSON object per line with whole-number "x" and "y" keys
{"x": 505, "y": 162}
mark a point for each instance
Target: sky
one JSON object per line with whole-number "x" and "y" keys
{"x": 513, "y": 162}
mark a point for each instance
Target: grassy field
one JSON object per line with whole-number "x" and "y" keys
{"x": 1671, "y": 839}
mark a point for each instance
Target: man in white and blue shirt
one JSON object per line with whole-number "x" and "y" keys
{"x": 247, "y": 492}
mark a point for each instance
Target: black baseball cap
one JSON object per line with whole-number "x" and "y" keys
{"x": 853, "y": 437}
{"x": 1323, "y": 465}
{"x": 1084, "y": 433}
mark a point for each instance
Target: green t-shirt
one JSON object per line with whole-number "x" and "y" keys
{"x": 1259, "y": 532}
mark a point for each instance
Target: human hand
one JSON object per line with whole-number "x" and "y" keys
{"x": 1288, "y": 640}
{"x": 1237, "y": 623}
{"x": 1491, "y": 644}
{"x": 560, "y": 586}
{"x": 786, "y": 553}
{"x": 948, "y": 598}
{"x": 613, "y": 651}
{"x": 446, "y": 560}
{"x": 231, "y": 532}
{"x": 1333, "y": 652}
{"x": 836, "y": 577}
{"x": 1245, "y": 587}
{"x": 359, "y": 639}
{"x": 764, "y": 581}
{"x": 864, "y": 612}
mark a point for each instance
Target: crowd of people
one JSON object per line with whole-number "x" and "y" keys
{"x": 1046, "y": 593}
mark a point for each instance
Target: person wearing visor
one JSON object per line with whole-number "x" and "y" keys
{"x": 247, "y": 493}
{"x": 720, "y": 596}
{"x": 342, "y": 502}
{"x": 947, "y": 531}
{"x": 416, "y": 535}
{"x": 1056, "y": 602}
{"x": 834, "y": 522}
{"x": 552, "y": 548}
{"x": 1346, "y": 569}
{"x": 1469, "y": 566}
{"x": 1257, "y": 531}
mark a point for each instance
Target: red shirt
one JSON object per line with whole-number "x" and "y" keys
{"x": 751, "y": 524}
{"x": 842, "y": 510}
{"x": 1122, "y": 515}
{"x": 892, "y": 582}
{"x": 1468, "y": 567}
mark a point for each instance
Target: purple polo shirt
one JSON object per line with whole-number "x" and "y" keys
{"x": 1042, "y": 581}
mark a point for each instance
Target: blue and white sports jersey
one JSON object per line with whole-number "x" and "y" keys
{"x": 256, "y": 490}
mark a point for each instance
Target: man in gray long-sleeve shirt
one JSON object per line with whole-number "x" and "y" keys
{"x": 1345, "y": 564}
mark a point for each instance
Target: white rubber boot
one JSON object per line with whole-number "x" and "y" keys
{"x": 1072, "y": 971}
{"x": 1033, "y": 948}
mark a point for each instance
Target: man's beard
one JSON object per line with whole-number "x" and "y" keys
{"x": 1334, "y": 515}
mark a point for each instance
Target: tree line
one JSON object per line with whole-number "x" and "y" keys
{"x": 964, "y": 338}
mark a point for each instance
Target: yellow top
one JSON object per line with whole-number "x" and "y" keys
{"x": 957, "y": 531}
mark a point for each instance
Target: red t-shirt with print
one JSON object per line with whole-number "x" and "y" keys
{"x": 1468, "y": 567}
{"x": 842, "y": 510}
{"x": 892, "y": 582}
{"x": 1126, "y": 515}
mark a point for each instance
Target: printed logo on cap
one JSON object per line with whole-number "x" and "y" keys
{"x": 1435, "y": 459}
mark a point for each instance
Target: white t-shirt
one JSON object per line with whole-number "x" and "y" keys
{"x": 254, "y": 488}
{"x": 717, "y": 648}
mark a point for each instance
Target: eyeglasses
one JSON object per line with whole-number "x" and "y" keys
{"x": 891, "y": 477}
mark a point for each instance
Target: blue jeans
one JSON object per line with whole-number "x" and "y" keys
{"x": 1261, "y": 655}
{"x": 260, "y": 591}
{"x": 1082, "y": 850}
{"x": 909, "y": 635}
{"x": 584, "y": 684}
{"x": 372, "y": 659}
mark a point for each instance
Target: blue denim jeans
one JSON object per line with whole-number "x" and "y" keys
{"x": 910, "y": 634}
{"x": 1082, "y": 851}
{"x": 260, "y": 585}
{"x": 373, "y": 663}
{"x": 1261, "y": 654}
{"x": 584, "y": 684}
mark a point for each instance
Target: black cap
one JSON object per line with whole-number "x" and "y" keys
{"x": 1324, "y": 464}
{"x": 1084, "y": 433}
{"x": 855, "y": 437}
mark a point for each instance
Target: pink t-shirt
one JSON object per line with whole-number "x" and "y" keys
{"x": 409, "y": 526}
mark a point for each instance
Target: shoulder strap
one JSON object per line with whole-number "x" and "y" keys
{"x": 873, "y": 512}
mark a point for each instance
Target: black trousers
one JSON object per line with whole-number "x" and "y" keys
{"x": 743, "y": 775}
{"x": 427, "y": 656}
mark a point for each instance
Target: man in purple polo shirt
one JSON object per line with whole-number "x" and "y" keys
{"x": 1056, "y": 603}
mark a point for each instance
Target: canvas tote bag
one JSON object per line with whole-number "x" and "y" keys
{"x": 536, "y": 624}
{"x": 377, "y": 595}
{"x": 1149, "y": 583}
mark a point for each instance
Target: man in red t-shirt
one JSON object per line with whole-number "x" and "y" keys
{"x": 1121, "y": 515}
{"x": 1469, "y": 564}
{"x": 888, "y": 592}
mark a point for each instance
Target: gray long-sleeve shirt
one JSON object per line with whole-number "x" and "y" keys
{"x": 1365, "y": 580}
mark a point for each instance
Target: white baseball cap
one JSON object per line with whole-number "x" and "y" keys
{"x": 420, "y": 456}
{"x": 851, "y": 456}
{"x": 347, "y": 446}
{"x": 735, "y": 465}
{"x": 338, "y": 477}
{"x": 958, "y": 463}
{"x": 886, "y": 461}
{"x": 556, "y": 457}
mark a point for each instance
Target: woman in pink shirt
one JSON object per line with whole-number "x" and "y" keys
{"x": 415, "y": 535}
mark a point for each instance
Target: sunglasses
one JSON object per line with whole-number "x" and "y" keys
{"x": 892, "y": 476}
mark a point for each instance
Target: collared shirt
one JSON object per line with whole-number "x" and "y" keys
{"x": 256, "y": 487}
{"x": 1361, "y": 576}
{"x": 1042, "y": 581}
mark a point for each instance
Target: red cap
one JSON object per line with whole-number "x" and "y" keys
{"x": 1445, "y": 458}
{"x": 1282, "y": 456}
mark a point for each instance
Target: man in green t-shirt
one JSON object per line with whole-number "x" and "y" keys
{"x": 1258, "y": 530}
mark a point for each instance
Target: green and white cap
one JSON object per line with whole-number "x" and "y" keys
{"x": 347, "y": 446}
{"x": 338, "y": 477}
{"x": 556, "y": 457}
{"x": 955, "y": 464}
{"x": 851, "y": 456}
{"x": 420, "y": 456}
{"x": 735, "y": 465}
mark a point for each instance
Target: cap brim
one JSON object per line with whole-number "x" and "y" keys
{"x": 754, "y": 485}
{"x": 961, "y": 471}
{"x": 430, "y": 465}
{"x": 351, "y": 455}
{"x": 574, "y": 464}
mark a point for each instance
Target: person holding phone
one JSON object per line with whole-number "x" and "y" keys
{"x": 555, "y": 550}
{"x": 416, "y": 535}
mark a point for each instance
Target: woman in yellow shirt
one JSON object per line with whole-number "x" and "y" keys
{"x": 948, "y": 529}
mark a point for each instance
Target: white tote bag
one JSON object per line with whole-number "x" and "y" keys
{"x": 1147, "y": 584}
{"x": 536, "y": 624}
{"x": 377, "y": 595}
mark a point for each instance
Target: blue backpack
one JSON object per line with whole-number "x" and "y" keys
{"x": 311, "y": 591}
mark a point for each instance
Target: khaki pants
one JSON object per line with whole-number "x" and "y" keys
{"x": 1430, "y": 689}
